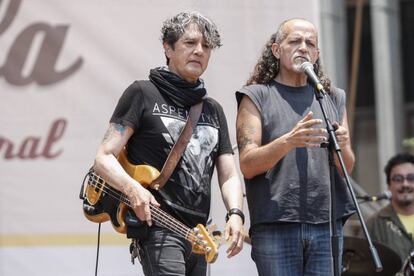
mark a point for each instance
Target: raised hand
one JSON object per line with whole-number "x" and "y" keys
{"x": 342, "y": 134}
{"x": 306, "y": 133}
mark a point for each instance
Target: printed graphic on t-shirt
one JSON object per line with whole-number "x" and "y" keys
{"x": 197, "y": 156}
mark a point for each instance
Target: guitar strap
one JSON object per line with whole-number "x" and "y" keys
{"x": 179, "y": 147}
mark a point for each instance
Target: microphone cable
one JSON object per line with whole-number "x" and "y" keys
{"x": 97, "y": 249}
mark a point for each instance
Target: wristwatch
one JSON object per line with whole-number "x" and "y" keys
{"x": 235, "y": 211}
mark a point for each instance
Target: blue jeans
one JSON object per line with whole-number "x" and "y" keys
{"x": 294, "y": 249}
{"x": 164, "y": 253}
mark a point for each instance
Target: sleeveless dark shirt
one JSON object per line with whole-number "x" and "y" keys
{"x": 296, "y": 189}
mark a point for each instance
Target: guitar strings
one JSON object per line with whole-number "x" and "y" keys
{"x": 116, "y": 194}
{"x": 163, "y": 219}
{"x": 158, "y": 211}
{"x": 186, "y": 232}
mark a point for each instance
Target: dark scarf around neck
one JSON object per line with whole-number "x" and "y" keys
{"x": 178, "y": 90}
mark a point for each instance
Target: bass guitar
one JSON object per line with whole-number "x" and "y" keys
{"x": 102, "y": 202}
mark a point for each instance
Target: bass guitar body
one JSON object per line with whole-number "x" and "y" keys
{"x": 103, "y": 203}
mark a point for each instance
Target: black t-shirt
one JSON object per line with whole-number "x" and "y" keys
{"x": 157, "y": 123}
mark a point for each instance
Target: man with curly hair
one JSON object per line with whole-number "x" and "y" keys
{"x": 147, "y": 121}
{"x": 280, "y": 130}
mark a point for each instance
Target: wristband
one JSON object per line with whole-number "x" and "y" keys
{"x": 235, "y": 211}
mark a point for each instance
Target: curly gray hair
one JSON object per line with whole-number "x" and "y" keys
{"x": 174, "y": 27}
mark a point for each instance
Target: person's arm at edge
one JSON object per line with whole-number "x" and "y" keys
{"x": 107, "y": 165}
{"x": 232, "y": 193}
{"x": 254, "y": 158}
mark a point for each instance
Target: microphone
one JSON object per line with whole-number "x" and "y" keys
{"x": 384, "y": 195}
{"x": 307, "y": 68}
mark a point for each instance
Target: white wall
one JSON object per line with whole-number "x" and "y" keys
{"x": 65, "y": 64}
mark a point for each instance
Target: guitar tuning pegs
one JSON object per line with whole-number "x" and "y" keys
{"x": 199, "y": 236}
{"x": 204, "y": 243}
{"x": 196, "y": 231}
{"x": 208, "y": 249}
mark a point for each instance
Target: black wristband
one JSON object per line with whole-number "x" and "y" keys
{"x": 235, "y": 211}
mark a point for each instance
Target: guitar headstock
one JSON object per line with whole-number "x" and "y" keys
{"x": 204, "y": 244}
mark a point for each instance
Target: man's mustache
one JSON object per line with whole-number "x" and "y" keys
{"x": 405, "y": 189}
{"x": 306, "y": 57}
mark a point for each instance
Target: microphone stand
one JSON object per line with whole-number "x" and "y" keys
{"x": 334, "y": 147}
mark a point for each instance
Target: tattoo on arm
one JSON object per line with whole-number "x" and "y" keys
{"x": 242, "y": 142}
{"x": 120, "y": 128}
{"x": 113, "y": 128}
{"x": 243, "y": 136}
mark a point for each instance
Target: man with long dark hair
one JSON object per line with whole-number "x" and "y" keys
{"x": 280, "y": 130}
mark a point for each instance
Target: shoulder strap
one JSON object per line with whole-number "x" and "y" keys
{"x": 179, "y": 147}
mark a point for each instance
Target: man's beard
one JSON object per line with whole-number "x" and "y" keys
{"x": 298, "y": 61}
{"x": 297, "y": 67}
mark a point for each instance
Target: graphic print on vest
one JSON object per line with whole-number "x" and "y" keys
{"x": 197, "y": 158}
